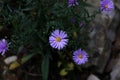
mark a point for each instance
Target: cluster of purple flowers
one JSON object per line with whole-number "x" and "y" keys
{"x": 4, "y": 45}
{"x": 106, "y": 5}
{"x": 58, "y": 39}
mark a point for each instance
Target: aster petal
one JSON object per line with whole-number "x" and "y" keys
{"x": 51, "y": 38}
{"x": 59, "y": 46}
{"x": 69, "y": 5}
{"x": 3, "y": 46}
{"x": 72, "y": 3}
{"x": 64, "y": 40}
{"x": 53, "y": 44}
{"x": 77, "y": 3}
{"x": 62, "y": 45}
{"x": 3, "y": 52}
{"x": 56, "y": 33}
{"x": 3, "y": 40}
{"x": 63, "y": 34}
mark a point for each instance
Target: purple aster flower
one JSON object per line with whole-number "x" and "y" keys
{"x": 81, "y": 24}
{"x": 58, "y": 39}
{"x": 73, "y": 20}
{"x": 4, "y": 45}
{"x": 72, "y": 3}
{"x": 80, "y": 57}
{"x": 107, "y": 5}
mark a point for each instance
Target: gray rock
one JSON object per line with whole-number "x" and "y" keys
{"x": 115, "y": 74}
{"x": 111, "y": 35}
{"x": 103, "y": 34}
{"x": 104, "y": 57}
{"x": 93, "y": 77}
{"x": 10, "y": 59}
{"x": 117, "y": 3}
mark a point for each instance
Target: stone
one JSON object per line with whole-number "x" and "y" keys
{"x": 10, "y": 59}
{"x": 117, "y": 3}
{"x": 92, "y": 77}
{"x": 115, "y": 73}
{"x": 111, "y": 35}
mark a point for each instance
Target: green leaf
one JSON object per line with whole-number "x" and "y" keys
{"x": 63, "y": 72}
{"x": 85, "y": 4}
{"x": 45, "y": 67}
{"x": 16, "y": 64}
{"x": 1, "y": 5}
{"x": 26, "y": 58}
{"x": 20, "y": 49}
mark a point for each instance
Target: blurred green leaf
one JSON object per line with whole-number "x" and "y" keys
{"x": 45, "y": 67}
{"x": 70, "y": 66}
{"x": 26, "y": 58}
{"x": 20, "y": 49}
{"x": 63, "y": 72}
{"x": 14, "y": 65}
{"x": 84, "y": 3}
{"x": 59, "y": 64}
{"x": 1, "y": 5}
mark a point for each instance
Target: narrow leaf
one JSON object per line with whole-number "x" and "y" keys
{"x": 26, "y": 58}
{"x": 45, "y": 67}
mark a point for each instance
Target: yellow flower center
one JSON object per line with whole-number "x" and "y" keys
{"x": 58, "y": 39}
{"x": 106, "y": 6}
{"x": 80, "y": 56}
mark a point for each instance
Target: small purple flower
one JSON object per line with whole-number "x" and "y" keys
{"x": 80, "y": 57}
{"x": 58, "y": 39}
{"x": 72, "y": 3}
{"x": 73, "y": 20}
{"x": 81, "y": 24}
{"x": 107, "y": 5}
{"x": 4, "y": 45}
